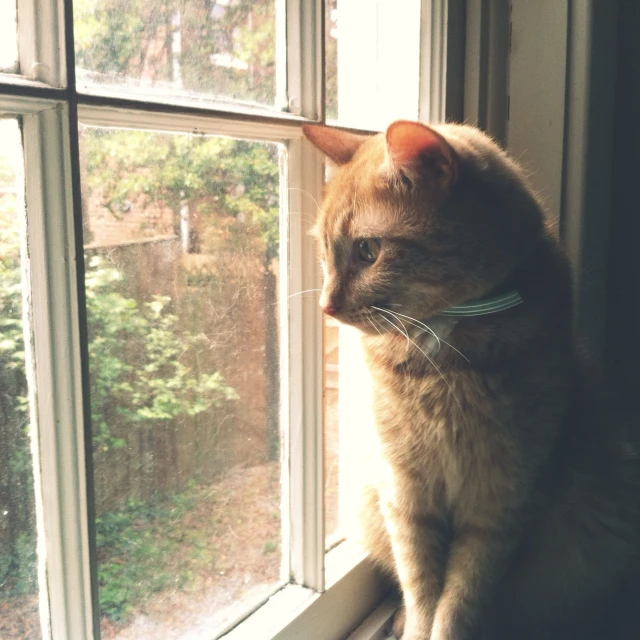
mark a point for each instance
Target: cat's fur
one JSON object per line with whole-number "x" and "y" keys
{"x": 506, "y": 499}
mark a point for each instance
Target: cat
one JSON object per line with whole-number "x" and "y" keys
{"x": 506, "y": 497}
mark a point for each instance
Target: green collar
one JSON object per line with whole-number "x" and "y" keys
{"x": 485, "y": 306}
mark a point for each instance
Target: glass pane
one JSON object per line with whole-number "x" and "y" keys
{"x": 331, "y": 432}
{"x": 178, "y": 48}
{"x": 372, "y": 61}
{"x": 348, "y": 430}
{"x": 8, "y": 37}
{"x": 182, "y": 252}
{"x": 18, "y": 560}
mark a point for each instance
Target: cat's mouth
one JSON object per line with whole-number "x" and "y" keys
{"x": 376, "y": 318}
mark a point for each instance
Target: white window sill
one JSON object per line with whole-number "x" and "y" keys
{"x": 354, "y": 593}
{"x": 376, "y": 625}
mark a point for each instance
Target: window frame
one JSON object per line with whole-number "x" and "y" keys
{"x": 471, "y": 84}
{"x": 45, "y": 97}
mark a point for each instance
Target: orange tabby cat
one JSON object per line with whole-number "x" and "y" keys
{"x": 505, "y": 503}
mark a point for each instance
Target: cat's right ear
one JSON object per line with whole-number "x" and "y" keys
{"x": 340, "y": 146}
{"x": 416, "y": 150}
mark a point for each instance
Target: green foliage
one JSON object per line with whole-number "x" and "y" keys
{"x": 136, "y": 357}
{"x": 17, "y": 563}
{"x": 146, "y": 547}
{"x": 19, "y": 569}
{"x": 216, "y": 176}
{"x": 225, "y": 49}
{"x": 270, "y": 546}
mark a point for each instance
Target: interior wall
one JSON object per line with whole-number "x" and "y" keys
{"x": 622, "y": 354}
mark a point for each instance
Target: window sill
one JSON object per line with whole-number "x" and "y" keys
{"x": 354, "y": 589}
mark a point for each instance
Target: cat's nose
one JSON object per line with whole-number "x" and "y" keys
{"x": 331, "y": 300}
{"x": 329, "y": 309}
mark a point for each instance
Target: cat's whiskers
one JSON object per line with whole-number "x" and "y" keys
{"x": 396, "y": 315}
{"x": 299, "y": 293}
{"x": 307, "y": 194}
{"x": 372, "y": 322}
{"x": 403, "y": 331}
{"x": 435, "y": 366}
{"x": 426, "y": 327}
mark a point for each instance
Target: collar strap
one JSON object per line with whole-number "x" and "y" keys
{"x": 485, "y": 306}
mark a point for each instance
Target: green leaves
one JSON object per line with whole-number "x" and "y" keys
{"x": 216, "y": 176}
{"x": 137, "y": 356}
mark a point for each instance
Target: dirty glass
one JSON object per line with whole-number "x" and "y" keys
{"x": 182, "y": 257}
{"x": 165, "y": 49}
{"x": 372, "y": 61}
{"x": 18, "y": 558}
{"x": 8, "y": 37}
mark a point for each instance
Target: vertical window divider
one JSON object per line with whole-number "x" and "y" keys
{"x": 442, "y": 60}
{"x": 305, "y": 61}
{"x": 58, "y": 373}
{"x": 41, "y": 41}
{"x": 304, "y": 433}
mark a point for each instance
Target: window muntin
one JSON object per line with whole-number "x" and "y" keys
{"x": 170, "y": 49}
{"x": 18, "y": 538}
{"x": 182, "y": 250}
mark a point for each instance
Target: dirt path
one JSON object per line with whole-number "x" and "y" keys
{"x": 247, "y": 567}
{"x": 244, "y": 521}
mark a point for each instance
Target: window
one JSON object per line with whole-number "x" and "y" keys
{"x": 166, "y": 373}
{"x": 176, "y": 418}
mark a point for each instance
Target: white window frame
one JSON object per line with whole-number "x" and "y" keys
{"x": 471, "y": 84}
{"x": 44, "y": 97}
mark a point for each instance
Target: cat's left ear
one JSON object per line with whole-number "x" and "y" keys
{"x": 417, "y": 151}
{"x": 339, "y": 145}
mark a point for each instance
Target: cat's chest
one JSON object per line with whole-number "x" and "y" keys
{"x": 441, "y": 433}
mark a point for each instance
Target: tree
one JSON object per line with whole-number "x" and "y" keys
{"x": 223, "y": 48}
{"x": 137, "y": 361}
{"x": 212, "y": 47}
{"x": 218, "y": 178}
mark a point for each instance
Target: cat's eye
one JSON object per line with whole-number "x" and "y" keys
{"x": 368, "y": 249}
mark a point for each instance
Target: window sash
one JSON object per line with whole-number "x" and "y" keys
{"x": 41, "y": 41}
{"x": 68, "y": 595}
{"x": 61, "y": 489}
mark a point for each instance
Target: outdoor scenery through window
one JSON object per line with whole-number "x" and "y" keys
{"x": 178, "y": 48}
{"x": 182, "y": 252}
{"x": 18, "y": 561}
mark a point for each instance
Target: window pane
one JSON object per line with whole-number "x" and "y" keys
{"x": 182, "y": 248}
{"x": 372, "y": 61}
{"x": 8, "y": 37}
{"x": 331, "y": 432}
{"x": 178, "y": 48}
{"x": 18, "y": 562}
{"x": 348, "y": 430}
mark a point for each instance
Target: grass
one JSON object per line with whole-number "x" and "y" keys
{"x": 146, "y": 547}
{"x": 215, "y": 539}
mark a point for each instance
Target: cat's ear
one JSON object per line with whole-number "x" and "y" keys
{"x": 417, "y": 151}
{"x": 340, "y": 146}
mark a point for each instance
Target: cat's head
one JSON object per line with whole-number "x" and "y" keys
{"x": 418, "y": 219}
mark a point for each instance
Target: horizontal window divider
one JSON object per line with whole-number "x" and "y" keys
{"x": 29, "y": 90}
{"x": 169, "y": 112}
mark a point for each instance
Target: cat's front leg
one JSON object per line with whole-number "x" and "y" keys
{"x": 417, "y": 541}
{"x": 477, "y": 556}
